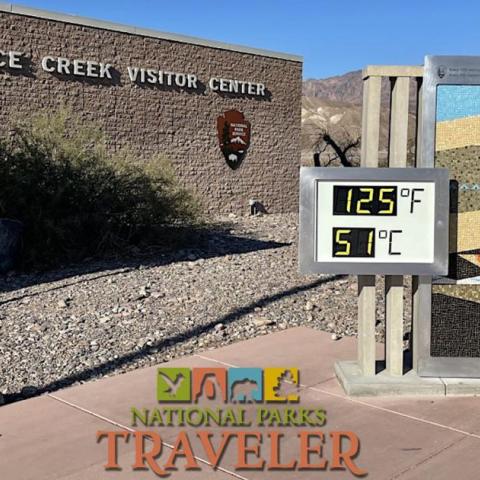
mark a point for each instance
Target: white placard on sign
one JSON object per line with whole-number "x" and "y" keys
{"x": 360, "y": 221}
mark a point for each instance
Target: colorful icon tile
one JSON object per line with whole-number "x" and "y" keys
{"x": 245, "y": 385}
{"x": 209, "y": 384}
{"x": 173, "y": 385}
{"x": 281, "y": 384}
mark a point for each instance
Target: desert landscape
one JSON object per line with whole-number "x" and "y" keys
{"x": 334, "y": 106}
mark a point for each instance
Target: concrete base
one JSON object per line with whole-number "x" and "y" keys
{"x": 354, "y": 384}
{"x": 462, "y": 386}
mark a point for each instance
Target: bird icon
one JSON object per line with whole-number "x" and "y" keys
{"x": 173, "y": 385}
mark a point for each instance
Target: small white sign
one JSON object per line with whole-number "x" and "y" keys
{"x": 374, "y": 221}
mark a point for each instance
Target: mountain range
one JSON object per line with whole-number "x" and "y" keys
{"x": 345, "y": 88}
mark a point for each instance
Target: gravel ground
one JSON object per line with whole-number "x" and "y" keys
{"x": 103, "y": 318}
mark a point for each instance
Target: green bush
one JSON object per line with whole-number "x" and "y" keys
{"x": 77, "y": 200}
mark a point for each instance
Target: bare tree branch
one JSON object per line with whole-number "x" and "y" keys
{"x": 335, "y": 144}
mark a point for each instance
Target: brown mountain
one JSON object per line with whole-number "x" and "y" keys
{"x": 343, "y": 88}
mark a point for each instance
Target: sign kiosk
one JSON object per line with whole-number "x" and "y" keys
{"x": 368, "y": 221}
{"x": 397, "y": 221}
{"x": 449, "y": 309}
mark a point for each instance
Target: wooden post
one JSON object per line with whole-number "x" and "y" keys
{"x": 394, "y": 284}
{"x": 366, "y": 283}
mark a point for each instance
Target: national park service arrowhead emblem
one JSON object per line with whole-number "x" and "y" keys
{"x": 442, "y": 71}
{"x": 234, "y": 137}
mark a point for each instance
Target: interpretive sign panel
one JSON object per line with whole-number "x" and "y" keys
{"x": 450, "y": 330}
{"x": 374, "y": 221}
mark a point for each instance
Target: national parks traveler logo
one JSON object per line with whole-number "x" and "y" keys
{"x": 234, "y": 137}
{"x": 205, "y": 412}
{"x": 235, "y": 385}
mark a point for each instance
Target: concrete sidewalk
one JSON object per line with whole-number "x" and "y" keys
{"x": 54, "y": 436}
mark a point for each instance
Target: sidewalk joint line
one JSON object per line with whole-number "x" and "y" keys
{"x": 214, "y": 360}
{"x": 405, "y": 415}
{"x": 365, "y": 404}
{"x": 132, "y": 430}
{"x": 427, "y": 458}
{"x": 89, "y": 412}
{"x": 333, "y": 377}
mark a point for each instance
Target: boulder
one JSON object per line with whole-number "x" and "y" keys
{"x": 10, "y": 241}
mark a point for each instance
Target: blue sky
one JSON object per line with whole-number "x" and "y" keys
{"x": 334, "y": 36}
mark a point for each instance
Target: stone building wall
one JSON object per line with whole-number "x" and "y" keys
{"x": 180, "y": 123}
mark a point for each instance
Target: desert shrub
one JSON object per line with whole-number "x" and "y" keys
{"x": 77, "y": 200}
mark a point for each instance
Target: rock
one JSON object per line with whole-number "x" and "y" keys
{"x": 335, "y": 337}
{"x": 143, "y": 293}
{"x": 219, "y": 326}
{"x": 11, "y": 232}
{"x": 309, "y": 306}
{"x": 157, "y": 295}
{"x": 62, "y": 303}
{"x": 263, "y": 321}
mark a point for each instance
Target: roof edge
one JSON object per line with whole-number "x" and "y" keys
{"x": 146, "y": 32}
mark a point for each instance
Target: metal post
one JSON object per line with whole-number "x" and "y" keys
{"x": 421, "y": 286}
